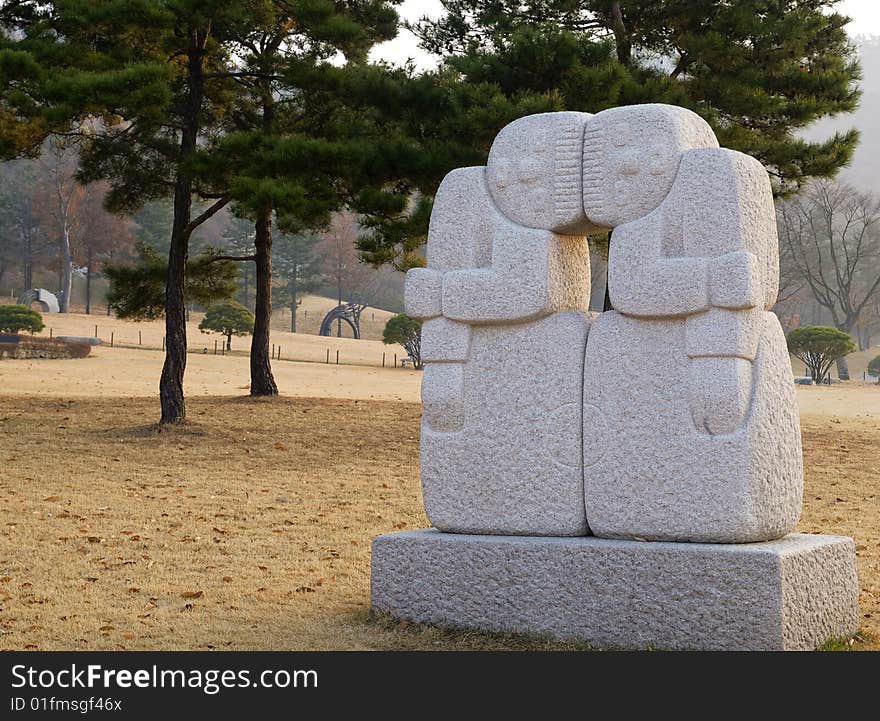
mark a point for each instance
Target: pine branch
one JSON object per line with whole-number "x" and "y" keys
{"x": 244, "y": 74}
{"x": 236, "y": 258}
{"x": 209, "y": 213}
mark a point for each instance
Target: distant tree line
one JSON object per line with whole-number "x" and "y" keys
{"x": 51, "y": 225}
{"x": 829, "y": 246}
{"x": 271, "y": 109}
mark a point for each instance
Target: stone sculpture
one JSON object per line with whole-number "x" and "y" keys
{"x": 656, "y": 436}
{"x": 695, "y": 427}
{"x": 502, "y": 299}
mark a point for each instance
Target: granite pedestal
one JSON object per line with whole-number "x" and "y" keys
{"x": 791, "y": 594}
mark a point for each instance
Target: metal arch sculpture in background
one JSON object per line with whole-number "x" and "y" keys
{"x": 349, "y": 312}
{"x": 48, "y": 301}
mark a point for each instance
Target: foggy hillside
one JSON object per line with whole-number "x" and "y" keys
{"x": 864, "y": 172}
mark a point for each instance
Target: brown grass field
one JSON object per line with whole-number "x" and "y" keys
{"x": 249, "y": 526}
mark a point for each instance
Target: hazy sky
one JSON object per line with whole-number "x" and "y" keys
{"x": 405, "y": 45}
{"x": 865, "y": 16}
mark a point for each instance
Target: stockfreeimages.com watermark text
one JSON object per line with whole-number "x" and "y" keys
{"x": 209, "y": 681}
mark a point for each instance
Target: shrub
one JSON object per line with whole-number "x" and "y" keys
{"x": 229, "y": 318}
{"x": 818, "y": 346}
{"x": 874, "y": 368}
{"x": 407, "y": 332}
{"x": 16, "y": 318}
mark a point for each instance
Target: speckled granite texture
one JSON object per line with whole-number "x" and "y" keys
{"x": 791, "y": 594}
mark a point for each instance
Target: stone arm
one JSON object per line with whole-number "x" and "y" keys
{"x": 643, "y": 281}
{"x": 708, "y": 252}
{"x": 484, "y": 268}
{"x": 710, "y": 244}
{"x": 533, "y": 273}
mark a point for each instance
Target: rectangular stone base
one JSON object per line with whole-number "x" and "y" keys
{"x": 794, "y": 593}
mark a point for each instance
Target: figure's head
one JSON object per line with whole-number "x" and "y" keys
{"x": 534, "y": 172}
{"x": 631, "y": 156}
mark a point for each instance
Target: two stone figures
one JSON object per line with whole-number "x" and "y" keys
{"x": 671, "y": 418}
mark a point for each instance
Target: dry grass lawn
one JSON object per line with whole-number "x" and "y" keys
{"x": 311, "y": 312}
{"x": 126, "y": 372}
{"x": 249, "y": 526}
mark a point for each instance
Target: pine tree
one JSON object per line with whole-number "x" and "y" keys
{"x": 238, "y": 239}
{"x": 196, "y": 99}
{"x": 757, "y": 70}
{"x": 137, "y": 291}
{"x": 407, "y": 332}
{"x": 299, "y": 266}
{"x": 282, "y": 43}
{"x": 403, "y": 132}
{"x": 133, "y": 80}
{"x": 818, "y": 347}
{"x": 229, "y": 318}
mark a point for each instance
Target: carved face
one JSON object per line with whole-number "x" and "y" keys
{"x": 534, "y": 171}
{"x": 631, "y": 156}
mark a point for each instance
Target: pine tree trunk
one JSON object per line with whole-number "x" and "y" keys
{"x": 171, "y": 382}
{"x": 28, "y": 262}
{"x": 292, "y": 290}
{"x": 622, "y": 40}
{"x": 339, "y": 320}
{"x": 262, "y": 381}
{"x": 66, "y": 269}
{"x": 89, "y": 282}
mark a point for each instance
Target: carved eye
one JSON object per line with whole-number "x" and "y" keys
{"x": 629, "y": 166}
{"x": 529, "y": 172}
{"x": 504, "y": 174}
{"x": 657, "y": 162}
{"x": 622, "y": 136}
{"x": 540, "y": 197}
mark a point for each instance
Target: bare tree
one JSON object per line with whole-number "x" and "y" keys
{"x": 23, "y": 240}
{"x": 354, "y": 281}
{"x": 791, "y": 279}
{"x": 100, "y": 236}
{"x": 830, "y": 236}
{"x": 869, "y": 323}
{"x": 59, "y": 162}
